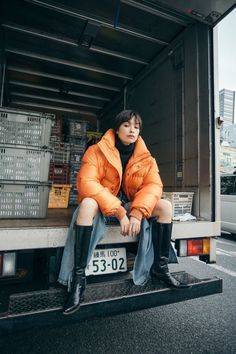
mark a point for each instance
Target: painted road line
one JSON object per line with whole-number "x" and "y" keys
{"x": 222, "y": 269}
{"x": 230, "y": 243}
{"x": 224, "y": 252}
{"x": 217, "y": 267}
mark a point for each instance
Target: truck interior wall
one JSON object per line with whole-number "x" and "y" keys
{"x": 198, "y": 118}
{"x": 172, "y": 96}
{"x": 1, "y": 65}
{"x": 107, "y": 117}
{"x": 206, "y": 119}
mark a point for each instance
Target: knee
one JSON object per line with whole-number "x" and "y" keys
{"x": 163, "y": 208}
{"x": 89, "y": 205}
{"x": 87, "y": 211}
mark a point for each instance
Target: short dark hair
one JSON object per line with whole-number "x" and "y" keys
{"x": 125, "y": 116}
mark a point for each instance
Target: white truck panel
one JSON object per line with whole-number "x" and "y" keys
{"x": 35, "y": 238}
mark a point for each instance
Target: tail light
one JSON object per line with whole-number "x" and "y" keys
{"x": 193, "y": 247}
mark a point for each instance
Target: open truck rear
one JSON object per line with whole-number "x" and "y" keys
{"x": 89, "y": 60}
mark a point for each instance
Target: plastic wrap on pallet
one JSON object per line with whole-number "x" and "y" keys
{"x": 25, "y": 128}
{"x": 23, "y": 200}
{"x": 20, "y": 164}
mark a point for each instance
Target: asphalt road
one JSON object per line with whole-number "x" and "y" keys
{"x": 204, "y": 325}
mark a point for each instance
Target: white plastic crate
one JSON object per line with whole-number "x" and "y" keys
{"x": 25, "y": 128}
{"x": 21, "y": 164}
{"x": 181, "y": 201}
{"x": 19, "y": 200}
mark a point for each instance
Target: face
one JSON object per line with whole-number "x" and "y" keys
{"x": 128, "y": 132}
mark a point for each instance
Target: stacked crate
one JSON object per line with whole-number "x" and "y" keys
{"x": 59, "y": 170}
{"x": 57, "y": 130}
{"x": 77, "y": 151}
{"x": 181, "y": 202}
{"x": 76, "y": 137}
{"x": 24, "y": 163}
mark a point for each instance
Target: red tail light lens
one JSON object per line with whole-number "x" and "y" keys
{"x": 195, "y": 247}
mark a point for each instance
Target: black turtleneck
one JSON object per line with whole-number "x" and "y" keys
{"x": 125, "y": 151}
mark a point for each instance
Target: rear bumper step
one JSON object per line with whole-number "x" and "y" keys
{"x": 107, "y": 298}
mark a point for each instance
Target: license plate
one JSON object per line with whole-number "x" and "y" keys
{"x": 105, "y": 261}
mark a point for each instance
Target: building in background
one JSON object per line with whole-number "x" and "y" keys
{"x": 227, "y": 101}
{"x": 228, "y": 135}
{"x": 227, "y": 159}
{"x": 228, "y": 132}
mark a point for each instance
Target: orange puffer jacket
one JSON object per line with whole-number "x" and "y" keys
{"x": 100, "y": 178}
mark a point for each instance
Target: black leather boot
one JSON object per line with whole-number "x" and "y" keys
{"x": 161, "y": 238}
{"x": 75, "y": 296}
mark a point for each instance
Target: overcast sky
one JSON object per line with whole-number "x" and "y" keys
{"x": 227, "y": 52}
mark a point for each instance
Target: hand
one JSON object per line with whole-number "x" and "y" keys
{"x": 124, "y": 226}
{"x": 134, "y": 226}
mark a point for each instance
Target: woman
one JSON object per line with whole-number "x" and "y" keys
{"x": 114, "y": 171}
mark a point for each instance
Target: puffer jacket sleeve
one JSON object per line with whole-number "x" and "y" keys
{"x": 89, "y": 185}
{"x": 148, "y": 194}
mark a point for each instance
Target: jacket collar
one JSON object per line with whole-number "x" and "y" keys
{"x": 107, "y": 146}
{"x": 108, "y": 141}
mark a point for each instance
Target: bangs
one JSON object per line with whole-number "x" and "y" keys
{"x": 125, "y": 116}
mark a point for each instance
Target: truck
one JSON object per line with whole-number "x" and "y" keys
{"x": 90, "y": 60}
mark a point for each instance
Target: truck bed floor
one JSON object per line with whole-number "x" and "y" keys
{"x": 55, "y": 218}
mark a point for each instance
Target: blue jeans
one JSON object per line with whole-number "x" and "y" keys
{"x": 143, "y": 259}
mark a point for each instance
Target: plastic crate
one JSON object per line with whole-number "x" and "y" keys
{"x": 25, "y": 128}
{"x": 181, "y": 201}
{"x": 73, "y": 177}
{"x": 57, "y": 127}
{"x": 76, "y": 157}
{"x": 77, "y": 128}
{"x": 20, "y": 200}
{"x": 73, "y": 200}
{"x": 60, "y": 153}
{"x": 59, "y": 196}
{"x": 24, "y": 164}
{"x": 59, "y": 173}
{"x": 54, "y": 140}
{"x": 79, "y": 141}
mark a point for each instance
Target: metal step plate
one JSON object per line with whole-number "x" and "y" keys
{"x": 120, "y": 295}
